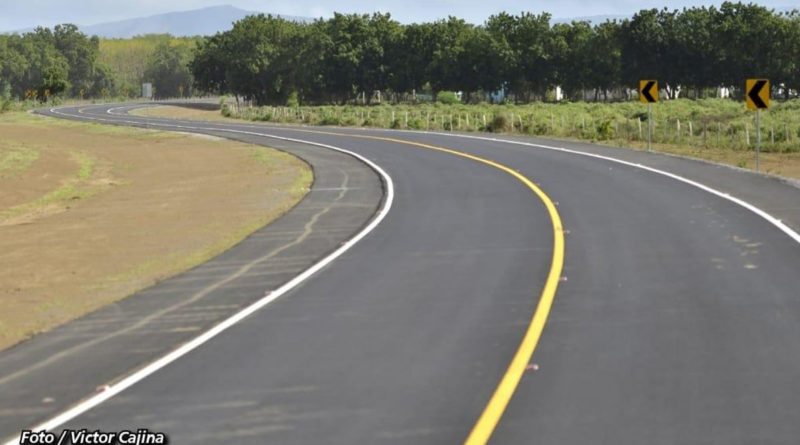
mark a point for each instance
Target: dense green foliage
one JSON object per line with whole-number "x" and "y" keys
{"x": 357, "y": 57}
{"x": 44, "y": 63}
{"x": 354, "y": 58}
{"x": 132, "y": 59}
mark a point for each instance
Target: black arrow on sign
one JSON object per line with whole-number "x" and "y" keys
{"x": 753, "y": 93}
{"x": 646, "y": 91}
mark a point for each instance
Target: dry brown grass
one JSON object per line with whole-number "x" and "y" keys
{"x": 102, "y": 212}
{"x": 786, "y": 165}
{"x": 175, "y": 112}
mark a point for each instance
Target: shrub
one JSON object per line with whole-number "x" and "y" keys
{"x": 292, "y": 100}
{"x": 604, "y": 130}
{"x": 447, "y": 98}
{"x": 500, "y": 123}
{"x": 264, "y": 117}
{"x": 416, "y": 124}
{"x": 329, "y": 120}
{"x": 539, "y": 129}
{"x": 349, "y": 121}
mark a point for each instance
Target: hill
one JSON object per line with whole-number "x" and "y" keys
{"x": 196, "y": 22}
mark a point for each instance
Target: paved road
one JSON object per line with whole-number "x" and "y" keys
{"x": 677, "y": 323}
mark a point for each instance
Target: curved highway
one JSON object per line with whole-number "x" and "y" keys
{"x": 676, "y": 319}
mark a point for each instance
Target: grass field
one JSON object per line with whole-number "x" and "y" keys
{"x": 713, "y": 129}
{"x": 90, "y": 214}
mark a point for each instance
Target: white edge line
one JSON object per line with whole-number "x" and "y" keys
{"x": 143, "y": 373}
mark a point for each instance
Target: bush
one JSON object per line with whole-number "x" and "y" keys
{"x": 330, "y": 120}
{"x": 292, "y": 101}
{"x": 6, "y": 105}
{"x": 416, "y": 124}
{"x": 539, "y": 129}
{"x": 226, "y": 110}
{"x": 264, "y": 117}
{"x": 447, "y": 98}
{"x": 500, "y": 123}
{"x": 349, "y": 121}
{"x": 604, "y": 130}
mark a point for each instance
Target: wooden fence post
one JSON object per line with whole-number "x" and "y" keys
{"x": 639, "y": 120}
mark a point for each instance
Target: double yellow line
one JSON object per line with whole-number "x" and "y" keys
{"x": 487, "y": 422}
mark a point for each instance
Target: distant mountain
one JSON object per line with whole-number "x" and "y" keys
{"x": 197, "y": 22}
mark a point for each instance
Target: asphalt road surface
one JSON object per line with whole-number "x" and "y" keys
{"x": 676, "y": 321}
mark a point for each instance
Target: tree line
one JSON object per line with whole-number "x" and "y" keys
{"x": 157, "y": 58}
{"x": 46, "y": 63}
{"x": 271, "y": 61}
{"x": 349, "y": 57}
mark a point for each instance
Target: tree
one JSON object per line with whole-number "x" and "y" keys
{"x": 168, "y": 70}
{"x": 448, "y": 38}
{"x": 409, "y": 56}
{"x": 479, "y": 64}
{"x": 523, "y": 42}
{"x": 48, "y": 74}
{"x": 209, "y": 64}
{"x": 81, "y": 55}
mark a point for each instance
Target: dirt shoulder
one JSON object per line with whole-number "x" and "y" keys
{"x": 90, "y": 214}
{"x": 177, "y": 112}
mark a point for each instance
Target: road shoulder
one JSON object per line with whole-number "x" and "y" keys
{"x": 52, "y": 371}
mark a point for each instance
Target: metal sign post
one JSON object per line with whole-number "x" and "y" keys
{"x": 649, "y": 127}
{"x": 758, "y": 137}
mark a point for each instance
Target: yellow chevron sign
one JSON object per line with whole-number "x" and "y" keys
{"x": 648, "y": 91}
{"x": 757, "y": 94}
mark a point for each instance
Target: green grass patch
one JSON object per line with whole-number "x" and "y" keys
{"x": 15, "y": 158}
{"x": 86, "y": 164}
{"x": 78, "y": 188}
{"x": 63, "y": 194}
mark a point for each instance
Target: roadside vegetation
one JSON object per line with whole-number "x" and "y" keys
{"x": 711, "y": 123}
{"x": 90, "y": 213}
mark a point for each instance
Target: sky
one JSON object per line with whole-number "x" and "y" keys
{"x": 18, "y": 14}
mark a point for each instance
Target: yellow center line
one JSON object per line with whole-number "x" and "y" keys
{"x": 487, "y": 422}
